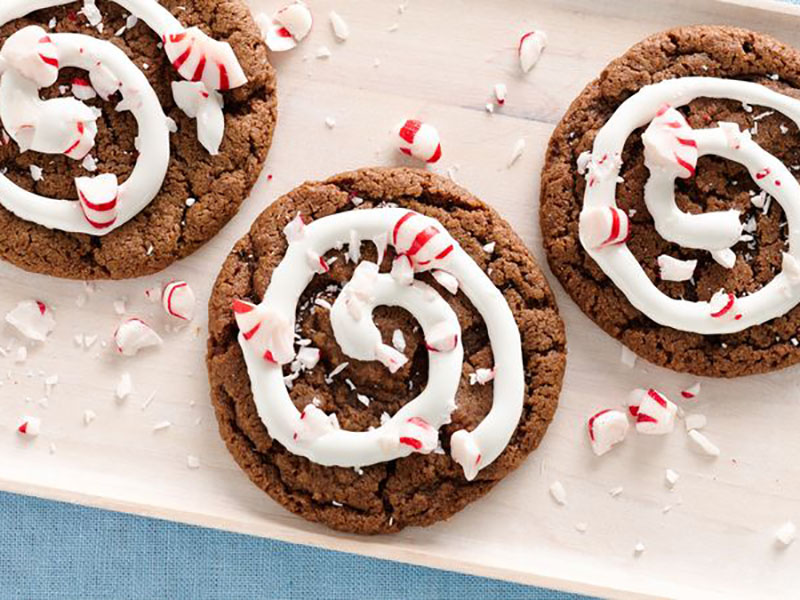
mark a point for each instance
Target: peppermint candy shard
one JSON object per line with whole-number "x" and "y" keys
{"x": 466, "y": 453}
{"x": 390, "y": 358}
{"x": 482, "y": 376}
{"x": 205, "y": 106}
{"x": 308, "y": 357}
{"x": 276, "y": 36}
{"x": 419, "y": 140}
{"x": 725, "y": 257}
{"x": 604, "y": 226}
{"x": 98, "y": 198}
{"x": 32, "y": 52}
{"x": 295, "y": 230}
{"x": 442, "y": 337}
{"x": 655, "y": 414}
{"x": 82, "y": 89}
{"x": 446, "y": 280}
{"x": 419, "y": 435}
{"x": 402, "y": 270}
{"x": 669, "y": 143}
{"x": 32, "y": 319}
{"x": 340, "y": 27}
{"x": 267, "y": 331}
{"x": 691, "y": 392}
{"x": 421, "y": 241}
{"x": 296, "y": 18}
{"x": 530, "y": 49}
{"x": 133, "y": 335}
{"x": 703, "y": 443}
{"x": 786, "y": 533}
{"x": 103, "y": 80}
{"x": 314, "y": 423}
{"x": 178, "y": 300}
{"x": 316, "y": 262}
{"x": 723, "y": 306}
{"x": 607, "y": 428}
{"x": 675, "y": 269}
{"x": 29, "y": 426}
{"x": 198, "y": 57}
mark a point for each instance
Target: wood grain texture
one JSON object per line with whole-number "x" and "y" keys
{"x": 440, "y": 65}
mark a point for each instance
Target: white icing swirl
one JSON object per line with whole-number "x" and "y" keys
{"x": 423, "y": 243}
{"x": 714, "y": 232}
{"x": 30, "y": 59}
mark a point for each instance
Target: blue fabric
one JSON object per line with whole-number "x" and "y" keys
{"x": 54, "y": 550}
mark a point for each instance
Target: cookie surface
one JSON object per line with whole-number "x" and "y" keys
{"x": 718, "y": 184}
{"x": 167, "y": 229}
{"x": 418, "y": 489}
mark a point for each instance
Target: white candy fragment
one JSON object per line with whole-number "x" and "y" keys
{"x": 204, "y": 105}
{"x": 89, "y": 416}
{"x": 162, "y": 425}
{"x": 517, "y": 151}
{"x": 32, "y": 319}
{"x": 530, "y": 49}
{"x": 500, "y": 93}
{"x": 481, "y": 376}
{"x": 308, "y": 357}
{"x": 725, "y": 257}
{"x": 671, "y": 478}
{"x": 703, "y": 443}
{"x": 314, "y": 423}
{"x": 638, "y": 548}
{"x": 133, "y": 335}
{"x": 607, "y": 428}
{"x": 82, "y": 89}
{"x": 655, "y": 414}
{"x": 398, "y": 340}
{"x": 465, "y": 451}
{"x": 627, "y": 357}
{"x": 786, "y": 533}
{"x": 178, "y": 300}
{"x": 446, "y": 280}
{"x": 558, "y": 492}
{"x": 695, "y": 421}
{"x": 442, "y": 338}
{"x": 340, "y": 27}
{"x": 674, "y": 269}
{"x": 691, "y": 392}
{"x": 390, "y": 358}
{"x": 30, "y": 426}
{"x": 124, "y": 386}
{"x": 193, "y": 462}
{"x": 419, "y": 140}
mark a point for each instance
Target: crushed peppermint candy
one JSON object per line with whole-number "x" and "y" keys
{"x": 671, "y": 478}
{"x": 193, "y": 462}
{"x": 694, "y": 421}
{"x": 33, "y": 319}
{"x": 29, "y": 426}
{"x": 340, "y": 27}
{"x": 89, "y": 416}
{"x": 481, "y": 376}
{"x": 516, "y": 152}
{"x": 162, "y": 425}
{"x": 786, "y": 533}
{"x": 703, "y": 443}
{"x": 124, "y": 386}
{"x": 691, "y": 392}
{"x": 558, "y": 493}
{"x": 627, "y": 357}
{"x": 398, "y": 340}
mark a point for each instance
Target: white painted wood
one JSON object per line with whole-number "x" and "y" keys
{"x": 440, "y": 64}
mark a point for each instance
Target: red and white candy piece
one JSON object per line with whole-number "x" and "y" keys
{"x": 669, "y": 143}
{"x": 80, "y": 139}
{"x": 178, "y": 300}
{"x": 391, "y": 358}
{"x": 31, "y": 52}
{"x": 675, "y": 269}
{"x": 442, "y": 338}
{"x": 723, "y": 306}
{"x": 82, "y": 89}
{"x": 133, "y": 335}
{"x": 604, "y": 226}
{"x": 198, "y": 57}
{"x": 314, "y": 423}
{"x": 32, "y": 319}
{"x": 419, "y": 435}
{"x": 421, "y": 241}
{"x": 204, "y": 105}
{"x": 419, "y": 140}
{"x": 98, "y": 198}
{"x": 655, "y": 413}
{"x": 500, "y": 93}
{"x": 317, "y": 263}
{"x": 103, "y": 80}
{"x": 466, "y": 453}
{"x": 288, "y": 26}
{"x": 607, "y": 428}
{"x": 691, "y": 392}
{"x": 29, "y": 426}
{"x": 530, "y": 49}
{"x": 266, "y": 330}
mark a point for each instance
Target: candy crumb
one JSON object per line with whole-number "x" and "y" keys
{"x": 558, "y": 492}
{"x": 671, "y": 477}
{"x": 786, "y": 533}
{"x": 192, "y": 462}
{"x": 703, "y": 443}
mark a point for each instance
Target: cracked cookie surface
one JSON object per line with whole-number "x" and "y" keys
{"x": 167, "y": 229}
{"x": 718, "y": 185}
{"x": 419, "y": 489}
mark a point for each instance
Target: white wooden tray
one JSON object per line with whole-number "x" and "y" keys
{"x": 440, "y": 64}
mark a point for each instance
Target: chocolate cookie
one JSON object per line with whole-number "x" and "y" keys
{"x": 419, "y": 489}
{"x": 718, "y": 184}
{"x": 200, "y": 193}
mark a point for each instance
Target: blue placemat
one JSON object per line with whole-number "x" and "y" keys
{"x": 55, "y": 550}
